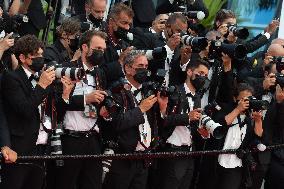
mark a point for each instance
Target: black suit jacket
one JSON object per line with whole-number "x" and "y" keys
{"x": 36, "y": 14}
{"x": 140, "y": 8}
{"x": 21, "y": 103}
{"x": 4, "y": 131}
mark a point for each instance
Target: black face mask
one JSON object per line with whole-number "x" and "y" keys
{"x": 198, "y": 82}
{"x": 74, "y": 44}
{"x": 141, "y": 75}
{"x": 96, "y": 21}
{"x": 121, "y": 33}
{"x": 96, "y": 58}
{"x": 37, "y": 64}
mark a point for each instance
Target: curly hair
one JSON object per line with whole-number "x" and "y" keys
{"x": 70, "y": 26}
{"x": 28, "y": 44}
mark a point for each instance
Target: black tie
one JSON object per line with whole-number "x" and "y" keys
{"x": 136, "y": 92}
{"x": 196, "y": 100}
{"x": 33, "y": 77}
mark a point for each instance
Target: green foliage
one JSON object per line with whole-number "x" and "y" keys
{"x": 213, "y": 6}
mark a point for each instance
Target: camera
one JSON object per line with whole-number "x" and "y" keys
{"x": 279, "y": 61}
{"x": 257, "y": 105}
{"x": 279, "y": 79}
{"x": 12, "y": 24}
{"x": 157, "y": 85}
{"x": 55, "y": 144}
{"x": 239, "y": 32}
{"x": 197, "y": 43}
{"x": 234, "y": 51}
{"x": 71, "y": 72}
{"x": 159, "y": 53}
{"x": 195, "y": 15}
{"x": 109, "y": 102}
{"x": 215, "y": 129}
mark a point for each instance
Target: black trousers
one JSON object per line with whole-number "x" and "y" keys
{"x": 275, "y": 175}
{"x": 126, "y": 174}
{"x": 85, "y": 174}
{"x": 176, "y": 173}
{"x": 22, "y": 176}
{"x": 229, "y": 178}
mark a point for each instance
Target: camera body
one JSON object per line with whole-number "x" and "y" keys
{"x": 279, "y": 61}
{"x": 279, "y": 79}
{"x": 157, "y": 85}
{"x": 197, "y": 43}
{"x": 239, "y": 32}
{"x": 257, "y": 105}
{"x": 234, "y": 51}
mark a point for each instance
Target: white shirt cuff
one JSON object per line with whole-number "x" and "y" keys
{"x": 183, "y": 67}
{"x": 267, "y": 35}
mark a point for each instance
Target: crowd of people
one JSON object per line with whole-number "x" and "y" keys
{"x": 137, "y": 77}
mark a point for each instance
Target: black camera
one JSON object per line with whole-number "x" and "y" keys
{"x": 257, "y": 105}
{"x": 279, "y": 79}
{"x": 240, "y": 32}
{"x": 157, "y": 85}
{"x": 114, "y": 88}
{"x": 12, "y": 23}
{"x": 73, "y": 73}
{"x": 234, "y": 51}
{"x": 279, "y": 61}
{"x": 197, "y": 43}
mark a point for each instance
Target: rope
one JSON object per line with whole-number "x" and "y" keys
{"x": 133, "y": 156}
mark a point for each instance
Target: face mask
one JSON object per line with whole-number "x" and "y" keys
{"x": 141, "y": 75}
{"x": 198, "y": 82}
{"x": 37, "y": 64}
{"x": 74, "y": 43}
{"x": 121, "y": 33}
{"x": 96, "y": 21}
{"x": 96, "y": 58}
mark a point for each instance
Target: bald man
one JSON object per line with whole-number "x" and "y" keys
{"x": 275, "y": 50}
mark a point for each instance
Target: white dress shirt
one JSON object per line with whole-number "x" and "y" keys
{"x": 79, "y": 120}
{"x": 182, "y": 135}
{"x": 233, "y": 140}
{"x": 42, "y": 135}
{"x": 145, "y": 128}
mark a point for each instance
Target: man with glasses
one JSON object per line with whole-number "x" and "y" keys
{"x": 81, "y": 128}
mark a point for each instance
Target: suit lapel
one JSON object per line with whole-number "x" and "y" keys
{"x": 27, "y": 85}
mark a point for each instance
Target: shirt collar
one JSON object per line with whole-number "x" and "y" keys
{"x": 187, "y": 90}
{"x": 163, "y": 35}
{"x": 28, "y": 73}
{"x": 134, "y": 88}
{"x": 153, "y": 31}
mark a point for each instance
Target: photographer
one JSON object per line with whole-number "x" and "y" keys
{"x": 226, "y": 18}
{"x": 134, "y": 126}
{"x": 66, "y": 46}
{"x": 95, "y": 10}
{"x": 180, "y": 127}
{"x": 120, "y": 19}
{"x": 243, "y": 126}
{"x": 274, "y": 132}
{"x": 81, "y": 128}
{"x": 23, "y": 97}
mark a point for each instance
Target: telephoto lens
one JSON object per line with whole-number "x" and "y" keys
{"x": 215, "y": 129}
{"x": 56, "y": 146}
{"x": 241, "y": 33}
{"x": 106, "y": 163}
{"x": 197, "y": 43}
